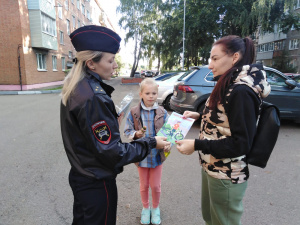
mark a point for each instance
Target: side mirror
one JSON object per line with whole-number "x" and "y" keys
{"x": 291, "y": 83}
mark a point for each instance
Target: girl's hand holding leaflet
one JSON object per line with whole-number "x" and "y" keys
{"x": 167, "y": 148}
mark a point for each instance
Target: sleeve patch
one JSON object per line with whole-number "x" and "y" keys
{"x": 102, "y": 132}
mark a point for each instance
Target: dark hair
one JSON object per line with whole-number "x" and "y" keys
{"x": 231, "y": 44}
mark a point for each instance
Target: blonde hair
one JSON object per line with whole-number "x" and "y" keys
{"x": 77, "y": 72}
{"x": 147, "y": 81}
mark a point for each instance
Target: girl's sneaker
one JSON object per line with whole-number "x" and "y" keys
{"x": 155, "y": 216}
{"x": 145, "y": 216}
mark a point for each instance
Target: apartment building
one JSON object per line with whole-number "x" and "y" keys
{"x": 272, "y": 45}
{"x": 35, "y": 48}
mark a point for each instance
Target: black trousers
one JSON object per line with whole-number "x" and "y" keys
{"x": 95, "y": 201}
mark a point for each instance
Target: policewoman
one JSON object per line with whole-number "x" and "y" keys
{"x": 90, "y": 128}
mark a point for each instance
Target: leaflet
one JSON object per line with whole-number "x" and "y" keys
{"x": 176, "y": 128}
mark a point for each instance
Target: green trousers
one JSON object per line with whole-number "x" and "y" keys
{"x": 221, "y": 201}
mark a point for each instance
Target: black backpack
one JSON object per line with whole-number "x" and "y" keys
{"x": 266, "y": 135}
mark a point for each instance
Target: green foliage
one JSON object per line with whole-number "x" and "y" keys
{"x": 120, "y": 64}
{"x": 67, "y": 71}
{"x": 157, "y": 26}
{"x": 281, "y": 63}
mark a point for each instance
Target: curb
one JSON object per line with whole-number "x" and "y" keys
{"x": 130, "y": 83}
{"x": 29, "y": 92}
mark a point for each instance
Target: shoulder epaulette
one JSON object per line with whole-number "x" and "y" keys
{"x": 96, "y": 87}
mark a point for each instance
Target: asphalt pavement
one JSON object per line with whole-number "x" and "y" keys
{"x": 34, "y": 187}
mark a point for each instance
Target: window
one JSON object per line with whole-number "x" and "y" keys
{"x": 68, "y": 27}
{"x": 74, "y": 22}
{"x": 41, "y": 61}
{"x": 78, "y": 23}
{"x": 61, "y": 34}
{"x": 210, "y": 77}
{"x": 70, "y": 55}
{"x": 293, "y": 63}
{"x": 297, "y": 4}
{"x": 88, "y": 15}
{"x": 59, "y": 9}
{"x": 63, "y": 63}
{"x": 266, "y": 47}
{"x": 48, "y": 25}
{"x": 67, "y": 4}
{"x": 78, "y": 4}
{"x": 271, "y": 46}
{"x": 72, "y": 2}
{"x": 54, "y": 63}
{"x": 294, "y": 44}
{"x": 275, "y": 79}
{"x": 83, "y": 9}
{"x": 279, "y": 45}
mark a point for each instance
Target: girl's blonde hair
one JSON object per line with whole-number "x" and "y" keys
{"x": 147, "y": 81}
{"x": 77, "y": 72}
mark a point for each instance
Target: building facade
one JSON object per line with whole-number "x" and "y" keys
{"x": 272, "y": 45}
{"x": 35, "y": 48}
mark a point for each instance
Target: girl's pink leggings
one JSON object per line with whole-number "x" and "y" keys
{"x": 152, "y": 177}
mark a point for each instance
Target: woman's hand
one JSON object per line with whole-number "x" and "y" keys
{"x": 120, "y": 118}
{"x": 186, "y": 146}
{"x": 140, "y": 133}
{"x": 161, "y": 142}
{"x": 190, "y": 114}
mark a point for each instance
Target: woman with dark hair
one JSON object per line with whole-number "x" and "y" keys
{"x": 90, "y": 128}
{"x": 228, "y": 127}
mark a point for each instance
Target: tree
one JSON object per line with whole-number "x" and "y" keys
{"x": 282, "y": 61}
{"x": 267, "y": 13}
{"x": 138, "y": 17}
{"x": 157, "y": 26}
{"x": 119, "y": 62}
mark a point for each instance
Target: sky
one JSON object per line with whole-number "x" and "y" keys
{"x": 110, "y": 10}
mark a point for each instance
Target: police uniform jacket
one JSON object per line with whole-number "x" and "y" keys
{"x": 90, "y": 131}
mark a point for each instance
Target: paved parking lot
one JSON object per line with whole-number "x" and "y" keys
{"x": 34, "y": 188}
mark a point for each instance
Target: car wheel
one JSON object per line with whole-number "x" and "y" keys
{"x": 167, "y": 102}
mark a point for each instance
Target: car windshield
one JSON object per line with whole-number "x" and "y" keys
{"x": 168, "y": 77}
{"x": 186, "y": 74}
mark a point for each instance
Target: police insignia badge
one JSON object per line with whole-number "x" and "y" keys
{"x": 102, "y": 132}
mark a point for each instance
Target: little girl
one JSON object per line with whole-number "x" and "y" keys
{"x": 146, "y": 119}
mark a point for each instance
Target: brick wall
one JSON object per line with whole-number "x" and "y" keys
{"x": 10, "y": 36}
{"x": 15, "y": 30}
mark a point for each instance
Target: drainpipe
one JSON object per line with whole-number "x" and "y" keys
{"x": 19, "y": 64}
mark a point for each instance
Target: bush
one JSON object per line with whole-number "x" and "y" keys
{"x": 67, "y": 71}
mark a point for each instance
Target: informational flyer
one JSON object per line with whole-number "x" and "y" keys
{"x": 176, "y": 128}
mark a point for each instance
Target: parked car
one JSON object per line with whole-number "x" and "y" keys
{"x": 165, "y": 89}
{"x": 192, "y": 91}
{"x": 297, "y": 79}
{"x": 137, "y": 74}
{"x": 162, "y": 76}
{"x": 149, "y": 74}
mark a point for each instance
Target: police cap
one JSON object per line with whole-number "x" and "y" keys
{"x": 95, "y": 38}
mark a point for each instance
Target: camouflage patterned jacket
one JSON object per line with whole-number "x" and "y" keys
{"x": 226, "y": 134}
